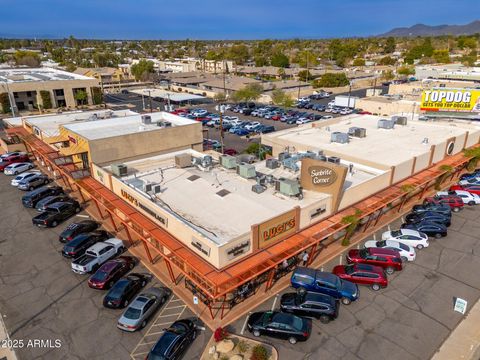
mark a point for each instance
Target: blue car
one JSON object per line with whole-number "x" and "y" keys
{"x": 306, "y": 279}
{"x": 470, "y": 176}
{"x": 242, "y": 132}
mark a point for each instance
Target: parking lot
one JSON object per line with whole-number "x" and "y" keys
{"x": 409, "y": 319}
{"x": 42, "y": 299}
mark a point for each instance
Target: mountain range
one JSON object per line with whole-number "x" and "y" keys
{"x": 427, "y": 30}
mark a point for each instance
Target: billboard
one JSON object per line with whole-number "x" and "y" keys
{"x": 444, "y": 99}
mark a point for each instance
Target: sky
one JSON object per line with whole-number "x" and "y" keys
{"x": 225, "y": 19}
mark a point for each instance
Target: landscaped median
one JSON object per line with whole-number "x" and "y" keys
{"x": 225, "y": 346}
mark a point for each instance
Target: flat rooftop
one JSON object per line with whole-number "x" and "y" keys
{"x": 381, "y": 146}
{"x": 49, "y": 123}
{"x": 192, "y": 194}
{"x": 21, "y": 75}
{"x": 173, "y": 96}
{"x": 126, "y": 125}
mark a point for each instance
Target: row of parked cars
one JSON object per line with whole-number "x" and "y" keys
{"x": 98, "y": 253}
{"x": 319, "y": 294}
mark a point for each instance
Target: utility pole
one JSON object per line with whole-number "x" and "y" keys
{"x": 222, "y": 108}
{"x": 349, "y": 91}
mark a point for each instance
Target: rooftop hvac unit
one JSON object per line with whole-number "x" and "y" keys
{"x": 272, "y": 163}
{"x": 157, "y": 189}
{"x": 228, "y": 162}
{"x": 246, "y": 171}
{"x": 146, "y": 119}
{"x": 400, "y": 120}
{"x": 283, "y": 155}
{"x": 183, "y": 160}
{"x": 291, "y": 163}
{"x": 310, "y": 154}
{"x": 257, "y": 188}
{"x": 334, "y": 159}
{"x": 147, "y": 187}
{"x": 119, "y": 170}
{"x": 167, "y": 124}
{"x": 339, "y": 137}
{"x": 160, "y": 124}
{"x": 386, "y": 124}
{"x": 357, "y": 132}
{"x": 288, "y": 187}
{"x": 245, "y": 158}
{"x": 322, "y": 158}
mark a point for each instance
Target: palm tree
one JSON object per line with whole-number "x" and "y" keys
{"x": 447, "y": 169}
{"x": 474, "y": 155}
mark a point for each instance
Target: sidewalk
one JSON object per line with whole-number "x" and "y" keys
{"x": 5, "y": 353}
{"x": 464, "y": 340}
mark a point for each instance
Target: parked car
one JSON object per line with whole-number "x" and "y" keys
{"x": 77, "y": 228}
{"x": 96, "y": 255}
{"x": 470, "y": 181}
{"x": 387, "y": 259}
{"x": 32, "y": 182}
{"x": 13, "y": 159}
{"x": 410, "y": 237}
{"x": 56, "y": 213}
{"x": 432, "y": 229}
{"x": 141, "y": 309}
{"x": 407, "y": 253}
{"x": 124, "y": 290}
{"x": 110, "y": 272}
{"x": 49, "y": 200}
{"x": 17, "y": 168}
{"x": 252, "y": 125}
{"x": 472, "y": 189}
{"x": 280, "y": 325}
{"x": 241, "y": 132}
{"x": 9, "y": 154}
{"x": 454, "y": 201}
{"x": 31, "y": 198}
{"x": 430, "y": 207}
{"x": 264, "y": 129}
{"x": 469, "y": 176}
{"x": 310, "y": 304}
{"x": 363, "y": 274}
{"x": 174, "y": 341}
{"x": 467, "y": 197}
{"x": 16, "y": 180}
{"x": 80, "y": 243}
{"x": 306, "y": 279}
{"x": 429, "y": 216}
{"x": 231, "y": 152}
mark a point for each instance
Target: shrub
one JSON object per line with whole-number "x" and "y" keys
{"x": 331, "y": 80}
{"x": 224, "y": 357}
{"x": 259, "y": 352}
{"x": 220, "y": 334}
{"x": 97, "y": 96}
{"x": 46, "y": 99}
{"x": 5, "y": 102}
{"x": 242, "y": 347}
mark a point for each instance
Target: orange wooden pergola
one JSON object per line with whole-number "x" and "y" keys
{"x": 215, "y": 283}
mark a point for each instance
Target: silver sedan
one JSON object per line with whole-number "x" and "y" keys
{"x": 137, "y": 314}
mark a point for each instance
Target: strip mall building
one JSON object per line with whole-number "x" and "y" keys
{"x": 223, "y": 221}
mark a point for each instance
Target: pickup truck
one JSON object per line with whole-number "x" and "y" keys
{"x": 96, "y": 255}
{"x": 55, "y": 213}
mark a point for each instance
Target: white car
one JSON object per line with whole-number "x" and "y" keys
{"x": 17, "y": 168}
{"x": 409, "y": 237}
{"x": 11, "y": 153}
{"x": 407, "y": 253}
{"x": 302, "y": 121}
{"x": 474, "y": 181}
{"x": 327, "y": 117}
{"x": 16, "y": 180}
{"x": 252, "y": 125}
{"x": 467, "y": 197}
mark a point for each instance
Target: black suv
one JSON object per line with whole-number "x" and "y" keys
{"x": 78, "y": 246}
{"x": 174, "y": 341}
{"x": 31, "y": 198}
{"x": 438, "y": 208}
{"x": 429, "y": 216}
{"x": 310, "y": 304}
{"x": 77, "y": 228}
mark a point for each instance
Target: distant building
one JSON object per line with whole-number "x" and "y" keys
{"x": 447, "y": 71}
{"x": 104, "y": 74}
{"x": 25, "y": 85}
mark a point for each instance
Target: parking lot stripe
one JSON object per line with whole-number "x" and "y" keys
{"x": 245, "y": 323}
{"x": 274, "y": 302}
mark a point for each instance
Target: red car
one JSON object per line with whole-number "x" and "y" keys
{"x": 276, "y": 117}
{"x": 365, "y": 113}
{"x": 110, "y": 272}
{"x": 179, "y": 111}
{"x": 12, "y": 159}
{"x": 455, "y": 202}
{"x": 388, "y": 259}
{"x": 363, "y": 274}
{"x": 472, "y": 189}
{"x": 231, "y": 152}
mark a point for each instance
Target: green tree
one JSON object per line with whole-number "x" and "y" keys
{"x": 441, "y": 56}
{"x": 28, "y": 58}
{"x": 352, "y": 221}
{"x": 142, "y": 70}
{"x": 81, "y": 96}
{"x": 387, "y": 60}
{"x": 250, "y": 92}
{"x": 304, "y": 75}
{"x": 220, "y": 97}
{"x": 359, "y": 62}
{"x": 331, "y": 80}
{"x": 306, "y": 58}
{"x": 279, "y": 60}
{"x": 97, "y": 95}
{"x": 5, "y": 102}
{"x": 388, "y": 75}
{"x": 278, "y": 96}
{"x": 470, "y": 59}
{"x": 239, "y": 54}
{"x": 46, "y": 99}
{"x": 406, "y": 70}
{"x": 389, "y": 45}
{"x": 260, "y": 60}
{"x": 281, "y": 73}
{"x": 261, "y": 151}
{"x": 474, "y": 155}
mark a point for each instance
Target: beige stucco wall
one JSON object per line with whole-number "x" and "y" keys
{"x": 155, "y": 142}
{"x": 387, "y": 107}
{"x": 473, "y": 138}
{"x": 439, "y": 152}
{"x": 403, "y": 170}
{"x": 361, "y": 191}
{"x": 305, "y": 213}
{"x": 422, "y": 162}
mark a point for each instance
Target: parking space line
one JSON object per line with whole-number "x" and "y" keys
{"x": 245, "y": 323}
{"x": 174, "y": 307}
{"x": 164, "y": 323}
{"x": 274, "y": 302}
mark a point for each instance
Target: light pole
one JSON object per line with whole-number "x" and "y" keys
{"x": 349, "y": 91}
{"x": 222, "y": 110}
